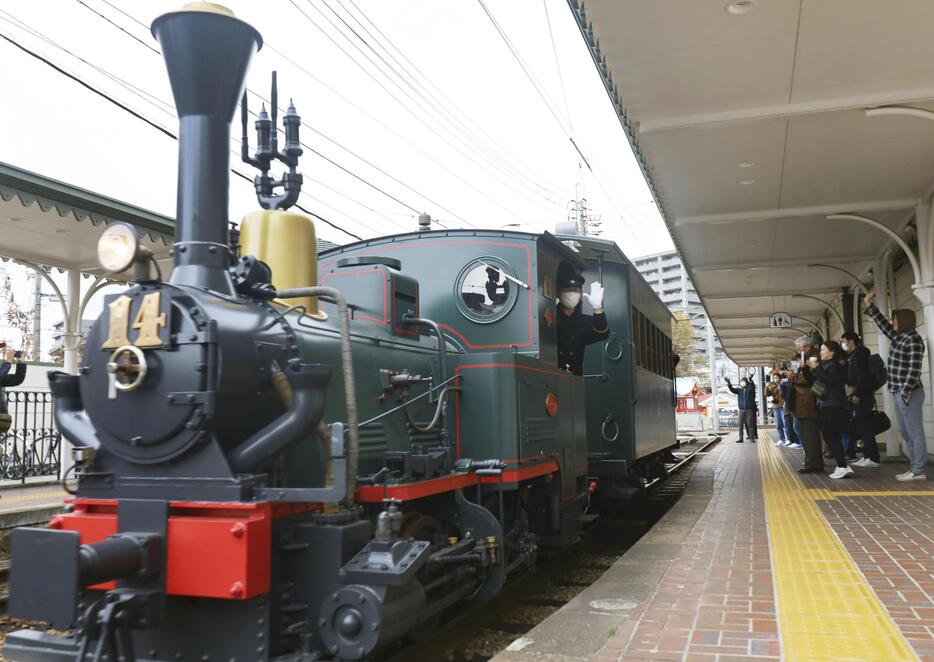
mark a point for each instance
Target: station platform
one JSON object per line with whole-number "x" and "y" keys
{"x": 755, "y": 562}
{"x": 29, "y": 504}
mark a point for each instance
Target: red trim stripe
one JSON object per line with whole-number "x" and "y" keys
{"x": 426, "y": 488}
{"x": 424, "y": 244}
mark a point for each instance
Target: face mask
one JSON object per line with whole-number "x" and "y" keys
{"x": 744, "y": 383}
{"x": 570, "y": 299}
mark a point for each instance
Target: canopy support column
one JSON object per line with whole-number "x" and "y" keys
{"x": 924, "y": 289}
{"x": 72, "y": 344}
{"x": 714, "y": 377}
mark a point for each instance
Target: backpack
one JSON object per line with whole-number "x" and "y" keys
{"x": 878, "y": 372}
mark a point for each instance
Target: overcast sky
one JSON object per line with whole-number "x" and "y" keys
{"x": 433, "y": 109}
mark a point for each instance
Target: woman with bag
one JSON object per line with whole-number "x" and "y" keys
{"x": 804, "y": 408}
{"x": 833, "y": 410}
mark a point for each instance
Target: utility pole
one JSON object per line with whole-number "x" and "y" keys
{"x": 37, "y": 319}
{"x": 580, "y": 213}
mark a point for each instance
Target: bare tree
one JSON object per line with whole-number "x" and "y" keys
{"x": 18, "y": 317}
{"x": 684, "y": 344}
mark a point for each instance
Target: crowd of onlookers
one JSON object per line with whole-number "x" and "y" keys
{"x": 825, "y": 400}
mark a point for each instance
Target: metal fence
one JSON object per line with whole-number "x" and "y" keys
{"x": 32, "y": 446}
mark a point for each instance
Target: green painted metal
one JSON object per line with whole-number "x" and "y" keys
{"x": 82, "y": 205}
{"x": 618, "y": 390}
{"x": 502, "y": 408}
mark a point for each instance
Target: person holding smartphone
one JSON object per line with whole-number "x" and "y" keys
{"x": 6, "y": 380}
{"x": 906, "y": 357}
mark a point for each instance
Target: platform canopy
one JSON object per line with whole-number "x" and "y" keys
{"x": 750, "y": 121}
{"x": 52, "y": 224}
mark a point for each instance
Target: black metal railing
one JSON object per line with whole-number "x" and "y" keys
{"x": 32, "y": 446}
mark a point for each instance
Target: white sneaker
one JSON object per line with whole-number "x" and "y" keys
{"x": 786, "y": 444}
{"x": 908, "y": 476}
{"x": 842, "y": 472}
{"x": 866, "y": 462}
{"x": 796, "y": 446}
{"x": 780, "y": 442}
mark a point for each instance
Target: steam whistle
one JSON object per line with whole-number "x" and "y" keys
{"x": 267, "y": 151}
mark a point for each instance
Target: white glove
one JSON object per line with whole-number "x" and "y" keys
{"x": 595, "y": 298}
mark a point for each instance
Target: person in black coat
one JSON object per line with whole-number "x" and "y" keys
{"x": 7, "y": 380}
{"x": 746, "y": 403}
{"x": 833, "y": 409}
{"x": 863, "y": 399}
{"x": 576, "y": 330}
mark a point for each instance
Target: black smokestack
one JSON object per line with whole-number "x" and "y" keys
{"x": 207, "y": 52}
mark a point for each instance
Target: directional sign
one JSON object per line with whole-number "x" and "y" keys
{"x": 780, "y": 321}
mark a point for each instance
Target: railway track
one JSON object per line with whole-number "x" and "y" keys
{"x": 480, "y": 634}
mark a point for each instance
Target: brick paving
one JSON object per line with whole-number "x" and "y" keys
{"x": 716, "y": 602}
{"x": 891, "y": 539}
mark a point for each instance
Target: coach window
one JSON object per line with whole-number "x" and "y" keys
{"x": 486, "y": 290}
{"x": 636, "y": 335}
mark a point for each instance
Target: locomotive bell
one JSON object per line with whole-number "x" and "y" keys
{"x": 286, "y": 242}
{"x": 207, "y": 51}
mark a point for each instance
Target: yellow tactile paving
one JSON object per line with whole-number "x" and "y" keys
{"x": 885, "y": 493}
{"x": 826, "y": 608}
{"x": 33, "y": 496}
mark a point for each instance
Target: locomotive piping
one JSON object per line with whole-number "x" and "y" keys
{"x": 308, "y": 382}
{"x": 70, "y": 416}
{"x": 442, "y": 370}
{"x": 350, "y": 390}
{"x": 435, "y": 417}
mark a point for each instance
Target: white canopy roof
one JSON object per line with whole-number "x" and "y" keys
{"x": 752, "y": 128}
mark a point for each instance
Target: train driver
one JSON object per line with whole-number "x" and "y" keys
{"x": 576, "y": 330}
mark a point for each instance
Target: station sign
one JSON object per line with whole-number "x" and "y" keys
{"x": 780, "y": 321}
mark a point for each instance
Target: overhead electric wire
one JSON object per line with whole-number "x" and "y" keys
{"x": 554, "y": 50}
{"x": 139, "y": 92}
{"x": 385, "y": 126}
{"x": 143, "y": 94}
{"x": 551, "y": 109}
{"x": 472, "y": 141}
{"x": 528, "y": 73}
{"x": 171, "y": 113}
{"x": 483, "y": 164}
{"x": 119, "y": 27}
{"x": 519, "y": 163}
{"x": 328, "y": 138}
{"x": 391, "y": 94}
{"x": 151, "y": 99}
{"x": 140, "y": 117}
{"x": 87, "y": 86}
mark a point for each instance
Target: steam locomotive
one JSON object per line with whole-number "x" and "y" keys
{"x": 271, "y": 469}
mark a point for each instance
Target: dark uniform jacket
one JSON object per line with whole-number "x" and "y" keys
{"x": 745, "y": 397}
{"x": 574, "y": 333}
{"x": 6, "y": 380}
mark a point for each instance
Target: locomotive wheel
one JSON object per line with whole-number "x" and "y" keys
{"x": 424, "y": 527}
